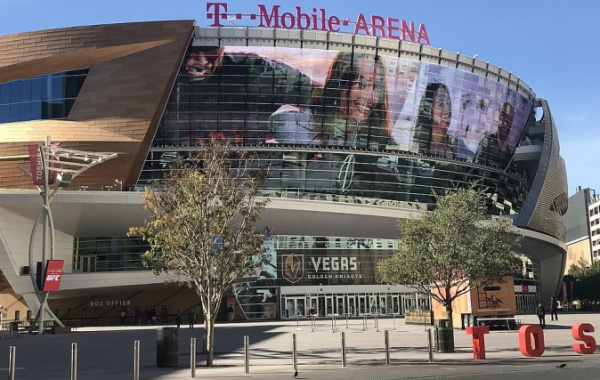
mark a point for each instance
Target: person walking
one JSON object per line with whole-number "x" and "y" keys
{"x": 553, "y": 309}
{"x": 191, "y": 318}
{"x": 178, "y": 318}
{"x": 541, "y": 313}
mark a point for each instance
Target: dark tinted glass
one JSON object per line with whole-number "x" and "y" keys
{"x": 49, "y": 96}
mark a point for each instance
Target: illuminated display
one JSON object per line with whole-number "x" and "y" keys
{"x": 264, "y": 95}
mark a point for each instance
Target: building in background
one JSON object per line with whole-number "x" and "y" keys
{"x": 358, "y": 131}
{"x": 578, "y": 221}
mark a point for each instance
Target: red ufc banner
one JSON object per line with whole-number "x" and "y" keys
{"x": 53, "y": 275}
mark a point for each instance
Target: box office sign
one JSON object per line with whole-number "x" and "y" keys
{"x": 54, "y": 270}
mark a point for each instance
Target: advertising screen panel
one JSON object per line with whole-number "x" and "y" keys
{"x": 275, "y": 95}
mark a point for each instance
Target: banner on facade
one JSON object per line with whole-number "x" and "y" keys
{"x": 54, "y": 269}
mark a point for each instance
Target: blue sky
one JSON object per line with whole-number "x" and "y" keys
{"x": 552, "y": 45}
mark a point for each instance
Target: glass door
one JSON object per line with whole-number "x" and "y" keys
{"x": 395, "y": 305}
{"x": 340, "y": 305}
{"x": 352, "y": 309}
{"x": 294, "y": 306}
{"x": 313, "y": 305}
{"x": 383, "y": 305}
{"x": 373, "y": 309}
{"x": 362, "y": 305}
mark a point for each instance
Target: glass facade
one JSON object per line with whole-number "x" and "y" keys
{"x": 349, "y": 124}
{"x": 49, "y": 96}
{"x": 106, "y": 254}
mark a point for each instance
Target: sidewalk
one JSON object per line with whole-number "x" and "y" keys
{"x": 108, "y": 353}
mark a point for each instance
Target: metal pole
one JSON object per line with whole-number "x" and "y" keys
{"x": 377, "y": 322}
{"x": 193, "y": 358}
{"x": 294, "y": 353}
{"x": 136, "y": 360}
{"x": 297, "y": 323}
{"x": 11, "y": 362}
{"x": 430, "y": 345}
{"x": 343, "y": 349}
{"x": 394, "y": 320}
{"x": 247, "y": 354}
{"x": 387, "y": 347}
{"x": 347, "y": 320}
{"x": 73, "y": 361}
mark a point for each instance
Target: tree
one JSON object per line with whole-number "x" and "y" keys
{"x": 201, "y": 228}
{"x": 587, "y": 281}
{"x": 443, "y": 251}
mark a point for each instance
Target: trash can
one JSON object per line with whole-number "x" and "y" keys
{"x": 444, "y": 336}
{"x": 167, "y": 347}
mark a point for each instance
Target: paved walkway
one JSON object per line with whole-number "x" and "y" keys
{"x": 108, "y": 353}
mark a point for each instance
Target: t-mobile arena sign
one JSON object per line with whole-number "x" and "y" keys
{"x": 318, "y": 19}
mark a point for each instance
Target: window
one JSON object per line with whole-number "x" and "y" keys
{"x": 50, "y": 96}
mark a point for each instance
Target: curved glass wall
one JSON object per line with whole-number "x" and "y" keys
{"x": 278, "y": 95}
{"x": 49, "y": 96}
{"x": 329, "y": 122}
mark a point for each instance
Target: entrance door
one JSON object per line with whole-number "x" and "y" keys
{"x": 362, "y": 305}
{"x": 373, "y": 309}
{"x": 409, "y": 304}
{"x": 395, "y": 305}
{"x": 352, "y": 305}
{"x": 340, "y": 305}
{"x": 383, "y": 305}
{"x": 313, "y": 305}
{"x": 88, "y": 263}
{"x": 294, "y": 306}
{"x": 325, "y": 306}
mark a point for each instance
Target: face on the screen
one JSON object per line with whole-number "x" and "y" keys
{"x": 202, "y": 65}
{"x": 441, "y": 108}
{"x": 505, "y": 121}
{"x": 364, "y": 92}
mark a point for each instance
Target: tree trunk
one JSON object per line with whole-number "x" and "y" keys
{"x": 209, "y": 327}
{"x": 449, "y": 314}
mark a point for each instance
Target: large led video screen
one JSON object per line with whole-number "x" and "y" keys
{"x": 273, "y": 95}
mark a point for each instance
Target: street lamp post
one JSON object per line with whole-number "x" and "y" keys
{"x": 53, "y": 168}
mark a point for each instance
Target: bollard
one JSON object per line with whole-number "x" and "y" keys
{"x": 294, "y": 353}
{"x": 430, "y": 345}
{"x": 136, "y": 360}
{"x": 11, "y": 362}
{"x": 347, "y": 320}
{"x": 298, "y": 328}
{"x": 387, "y": 347}
{"x": 394, "y": 320}
{"x": 376, "y": 322}
{"x": 333, "y": 324}
{"x": 193, "y": 358}
{"x": 247, "y": 354}
{"x": 343, "y": 349}
{"x": 73, "y": 361}
{"x": 365, "y": 326}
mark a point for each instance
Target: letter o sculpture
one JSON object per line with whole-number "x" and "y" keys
{"x": 531, "y": 340}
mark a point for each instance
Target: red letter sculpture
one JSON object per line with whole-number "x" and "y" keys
{"x": 589, "y": 343}
{"x": 531, "y": 340}
{"x": 478, "y": 340}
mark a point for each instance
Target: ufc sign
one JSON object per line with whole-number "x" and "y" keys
{"x": 53, "y": 275}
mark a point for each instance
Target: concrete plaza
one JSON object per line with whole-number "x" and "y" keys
{"x": 108, "y": 353}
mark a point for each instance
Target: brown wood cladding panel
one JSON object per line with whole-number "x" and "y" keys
{"x": 121, "y": 101}
{"x": 23, "y": 47}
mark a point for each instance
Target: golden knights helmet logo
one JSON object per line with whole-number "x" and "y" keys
{"x": 292, "y": 267}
